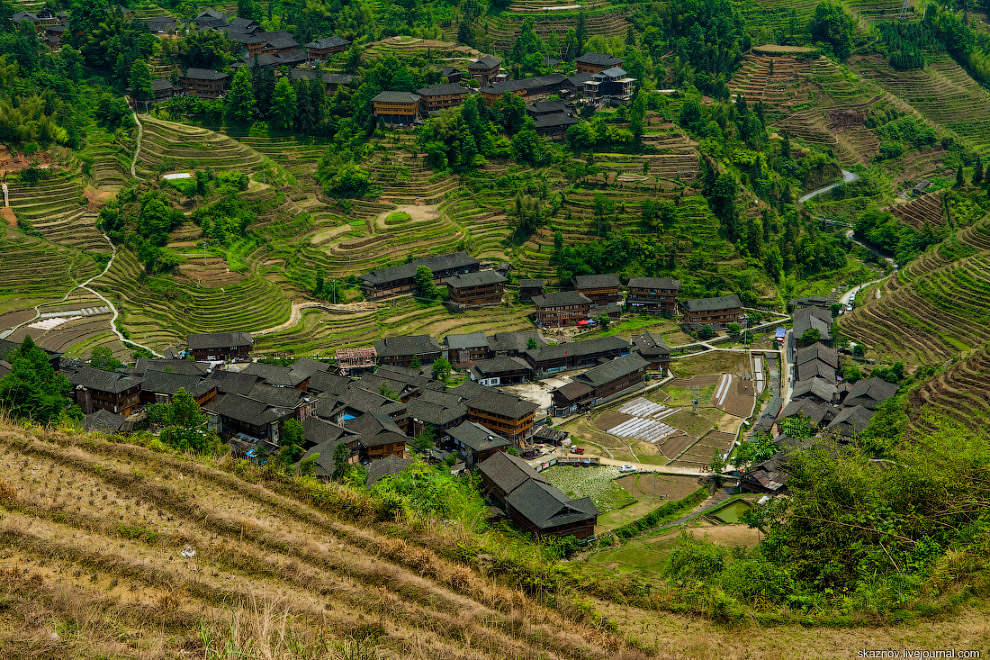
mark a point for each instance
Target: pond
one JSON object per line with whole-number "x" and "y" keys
{"x": 731, "y": 513}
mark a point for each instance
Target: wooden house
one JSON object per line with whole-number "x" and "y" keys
{"x": 481, "y": 289}
{"x": 592, "y": 62}
{"x": 507, "y": 415}
{"x": 475, "y": 442}
{"x": 653, "y": 295}
{"x": 529, "y": 88}
{"x": 601, "y": 289}
{"x": 217, "y": 346}
{"x": 398, "y": 280}
{"x": 529, "y": 289}
{"x": 558, "y": 310}
{"x": 204, "y": 83}
{"x": 501, "y": 370}
{"x": 575, "y": 355}
{"x": 463, "y": 350}
{"x": 718, "y": 312}
{"x": 96, "y": 389}
{"x": 435, "y": 98}
{"x": 402, "y": 351}
{"x": 321, "y": 48}
{"x": 600, "y": 382}
{"x": 652, "y": 348}
{"x": 396, "y": 108}
{"x": 485, "y": 69}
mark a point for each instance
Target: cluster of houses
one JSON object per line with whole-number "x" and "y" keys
{"x": 840, "y": 410}
{"x": 598, "y": 81}
{"x": 590, "y": 297}
{"x": 51, "y": 25}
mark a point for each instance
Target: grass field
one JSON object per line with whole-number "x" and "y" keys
{"x": 598, "y": 483}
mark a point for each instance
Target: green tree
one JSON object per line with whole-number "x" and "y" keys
{"x": 706, "y": 332}
{"x": 637, "y": 117}
{"x": 531, "y": 344}
{"x": 32, "y": 390}
{"x": 207, "y": 49}
{"x": 604, "y": 320}
{"x": 734, "y": 328}
{"x": 185, "y": 425}
{"x": 833, "y": 26}
{"x": 811, "y": 336}
{"x": 341, "y": 462}
{"x": 425, "y": 440}
{"x": 263, "y": 82}
{"x": 425, "y": 286}
{"x": 960, "y": 180}
{"x": 441, "y": 369}
{"x": 240, "y": 100}
{"x": 102, "y": 358}
{"x": 978, "y": 171}
{"x": 284, "y": 104}
{"x": 249, "y": 9}
{"x": 140, "y": 82}
{"x": 291, "y": 442}
{"x": 386, "y": 391}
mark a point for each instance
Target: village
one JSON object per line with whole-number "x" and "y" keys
{"x": 512, "y": 405}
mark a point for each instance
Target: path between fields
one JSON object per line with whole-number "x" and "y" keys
{"x": 297, "y": 309}
{"x": 137, "y": 149}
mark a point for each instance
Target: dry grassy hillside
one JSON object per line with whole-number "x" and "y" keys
{"x": 91, "y": 566}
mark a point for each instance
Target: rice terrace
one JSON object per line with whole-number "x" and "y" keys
{"x": 494, "y": 329}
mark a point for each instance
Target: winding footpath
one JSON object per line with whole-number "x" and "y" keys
{"x": 86, "y": 285}
{"x": 847, "y": 177}
{"x": 137, "y": 149}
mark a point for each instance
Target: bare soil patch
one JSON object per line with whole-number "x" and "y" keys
{"x": 611, "y": 419}
{"x": 739, "y": 401}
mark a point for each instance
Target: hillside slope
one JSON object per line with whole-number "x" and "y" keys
{"x": 93, "y": 566}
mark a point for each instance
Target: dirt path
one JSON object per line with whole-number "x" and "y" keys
{"x": 297, "y": 310}
{"x": 137, "y": 149}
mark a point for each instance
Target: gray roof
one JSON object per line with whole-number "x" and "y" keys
{"x": 482, "y": 277}
{"x": 554, "y": 119}
{"x": 275, "y": 374}
{"x": 102, "y": 421}
{"x": 233, "y": 382}
{"x": 613, "y": 370}
{"x": 160, "y": 382}
{"x": 218, "y": 340}
{"x": 477, "y": 437}
{"x": 501, "y": 364}
{"x": 437, "y": 414}
{"x": 547, "y": 507}
{"x": 870, "y": 392}
{"x": 456, "y": 260}
{"x": 328, "y": 42}
{"x": 204, "y": 74}
{"x": 508, "y": 472}
{"x": 279, "y": 39}
{"x": 405, "y": 345}
{"x": 161, "y": 84}
{"x": 443, "y": 89}
{"x": 654, "y": 283}
{"x": 602, "y": 345}
{"x": 816, "y": 412}
{"x": 514, "y": 341}
{"x": 247, "y": 410}
{"x": 512, "y": 86}
{"x": 547, "y": 108}
{"x": 376, "y": 429}
{"x": 531, "y": 284}
{"x": 386, "y": 467}
{"x": 495, "y": 401}
{"x": 818, "y": 387}
{"x": 188, "y": 367}
{"x": 599, "y": 59}
{"x": 818, "y": 318}
{"x": 160, "y": 23}
{"x": 712, "y": 304}
{"x": 103, "y": 381}
{"x": 815, "y": 369}
{"x": 561, "y": 298}
{"x": 485, "y": 63}
{"x": 650, "y": 345}
{"x": 771, "y": 474}
{"x": 817, "y": 351}
{"x": 279, "y": 397}
{"x": 614, "y": 72}
{"x": 324, "y": 381}
{"x": 396, "y": 97}
{"x": 851, "y": 421}
{"x": 466, "y": 340}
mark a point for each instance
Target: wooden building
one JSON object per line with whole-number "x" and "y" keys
{"x": 277, "y": 42}
{"x": 321, "y": 48}
{"x": 475, "y": 442}
{"x": 507, "y": 415}
{"x": 554, "y": 126}
{"x": 161, "y": 386}
{"x": 599, "y": 382}
{"x": 529, "y": 289}
{"x": 217, "y": 346}
{"x": 812, "y": 318}
{"x": 435, "y": 98}
{"x": 204, "y": 83}
{"x": 353, "y": 361}
{"x": 481, "y": 289}
{"x": 718, "y": 312}
{"x": 592, "y": 62}
{"x": 575, "y": 355}
{"x": 653, "y": 349}
{"x": 379, "y": 436}
{"x": 558, "y": 310}
{"x": 96, "y": 389}
{"x": 397, "y": 108}
{"x": 163, "y": 89}
{"x": 612, "y": 83}
{"x": 653, "y": 295}
{"x": 485, "y": 69}
{"x": 528, "y": 88}
{"x": 501, "y": 370}
{"x": 398, "y": 280}
{"x": 601, "y": 289}
{"x": 403, "y": 351}
{"x": 463, "y": 350}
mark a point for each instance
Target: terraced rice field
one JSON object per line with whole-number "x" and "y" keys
{"x": 92, "y": 565}
{"x": 504, "y": 29}
{"x": 74, "y": 326}
{"x": 934, "y": 308}
{"x": 171, "y": 146}
{"x": 33, "y": 269}
{"x": 961, "y": 393}
{"x": 942, "y": 92}
{"x": 58, "y": 211}
{"x": 921, "y": 212}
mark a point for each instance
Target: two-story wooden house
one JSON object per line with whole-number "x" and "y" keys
{"x": 561, "y": 309}
{"x": 653, "y": 295}
{"x": 322, "y": 48}
{"x": 403, "y": 351}
{"x": 220, "y": 345}
{"x": 507, "y": 415}
{"x": 717, "y": 312}
{"x": 398, "y": 280}
{"x": 481, "y": 289}
{"x": 396, "y": 108}
{"x": 96, "y": 389}
{"x": 435, "y": 98}
{"x": 485, "y": 69}
{"x": 599, "y": 382}
{"x": 204, "y": 83}
{"x": 601, "y": 289}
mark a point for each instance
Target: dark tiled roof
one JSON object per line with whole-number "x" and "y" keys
{"x": 851, "y": 421}
{"x": 547, "y": 507}
{"x": 598, "y": 59}
{"x": 508, "y": 342}
{"x": 443, "y": 89}
{"x": 435, "y": 413}
{"x": 480, "y": 278}
{"x": 102, "y": 421}
{"x": 206, "y": 74}
{"x": 160, "y": 382}
{"x": 386, "y": 467}
{"x": 280, "y": 39}
{"x": 574, "y": 390}
{"x": 161, "y": 84}
{"x": 244, "y": 23}
{"x": 275, "y": 374}
{"x": 513, "y": 86}
{"x": 218, "y": 339}
{"x": 328, "y": 42}
{"x": 245, "y": 409}
{"x": 816, "y": 369}
{"x": 531, "y": 284}
{"x": 338, "y": 79}
{"x": 376, "y": 430}
{"x": 500, "y": 365}
{"x": 317, "y": 431}
{"x": 613, "y": 370}
{"x": 654, "y": 283}
{"x": 808, "y": 318}
{"x": 494, "y": 401}
{"x": 613, "y": 73}
{"x": 819, "y": 387}
{"x": 457, "y": 260}
{"x": 578, "y": 80}
{"x": 596, "y": 281}
{"x": 466, "y": 340}
{"x": 293, "y": 57}
{"x": 547, "y": 108}
{"x": 402, "y": 346}
{"x": 870, "y": 392}
{"x": 477, "y": 437}
{"x": 279, "y": 397}
{"x": 561, "y": 298}
{"x": 817, "y": 351}
{"x": 396, "y": 97}
{"x": 651, "y": 345}
{"x": 554, "y": 119}
{"x": 160, "y": 23}
{"x": 232, "y": 382}
{"x": 601, "y": 345}
{"x": 712, "y": 304}
{"x": 103, "y": 381}
{"x": 323, "y": 381}
{"x": 815, "y": 412}
{"x": 485, "y": 63}
{"x": 187, "y": 367}
{"x": 4, "y": 368}
{"x": 771, "y": 474}
{"x": 508, "y": 472}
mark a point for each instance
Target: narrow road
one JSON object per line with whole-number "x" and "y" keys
{"x": 849, "y": 295}
{"x": 137, "y": 149}
{"x": 6, "y": 199}
{"x": 847, "y": 177}
{"x": 851, "y": 236}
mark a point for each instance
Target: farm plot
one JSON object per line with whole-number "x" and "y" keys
{"x": 921, "y": 212}
{"x": 598, "y": 483}
{"x": 700, "y": 453}
{"x": 170, "y": 146}
{"x": 961, "y": 394}
{"x": 31, "y": 269}
{"x": 645, "y": 421}
{"x": 58, "y": 211}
